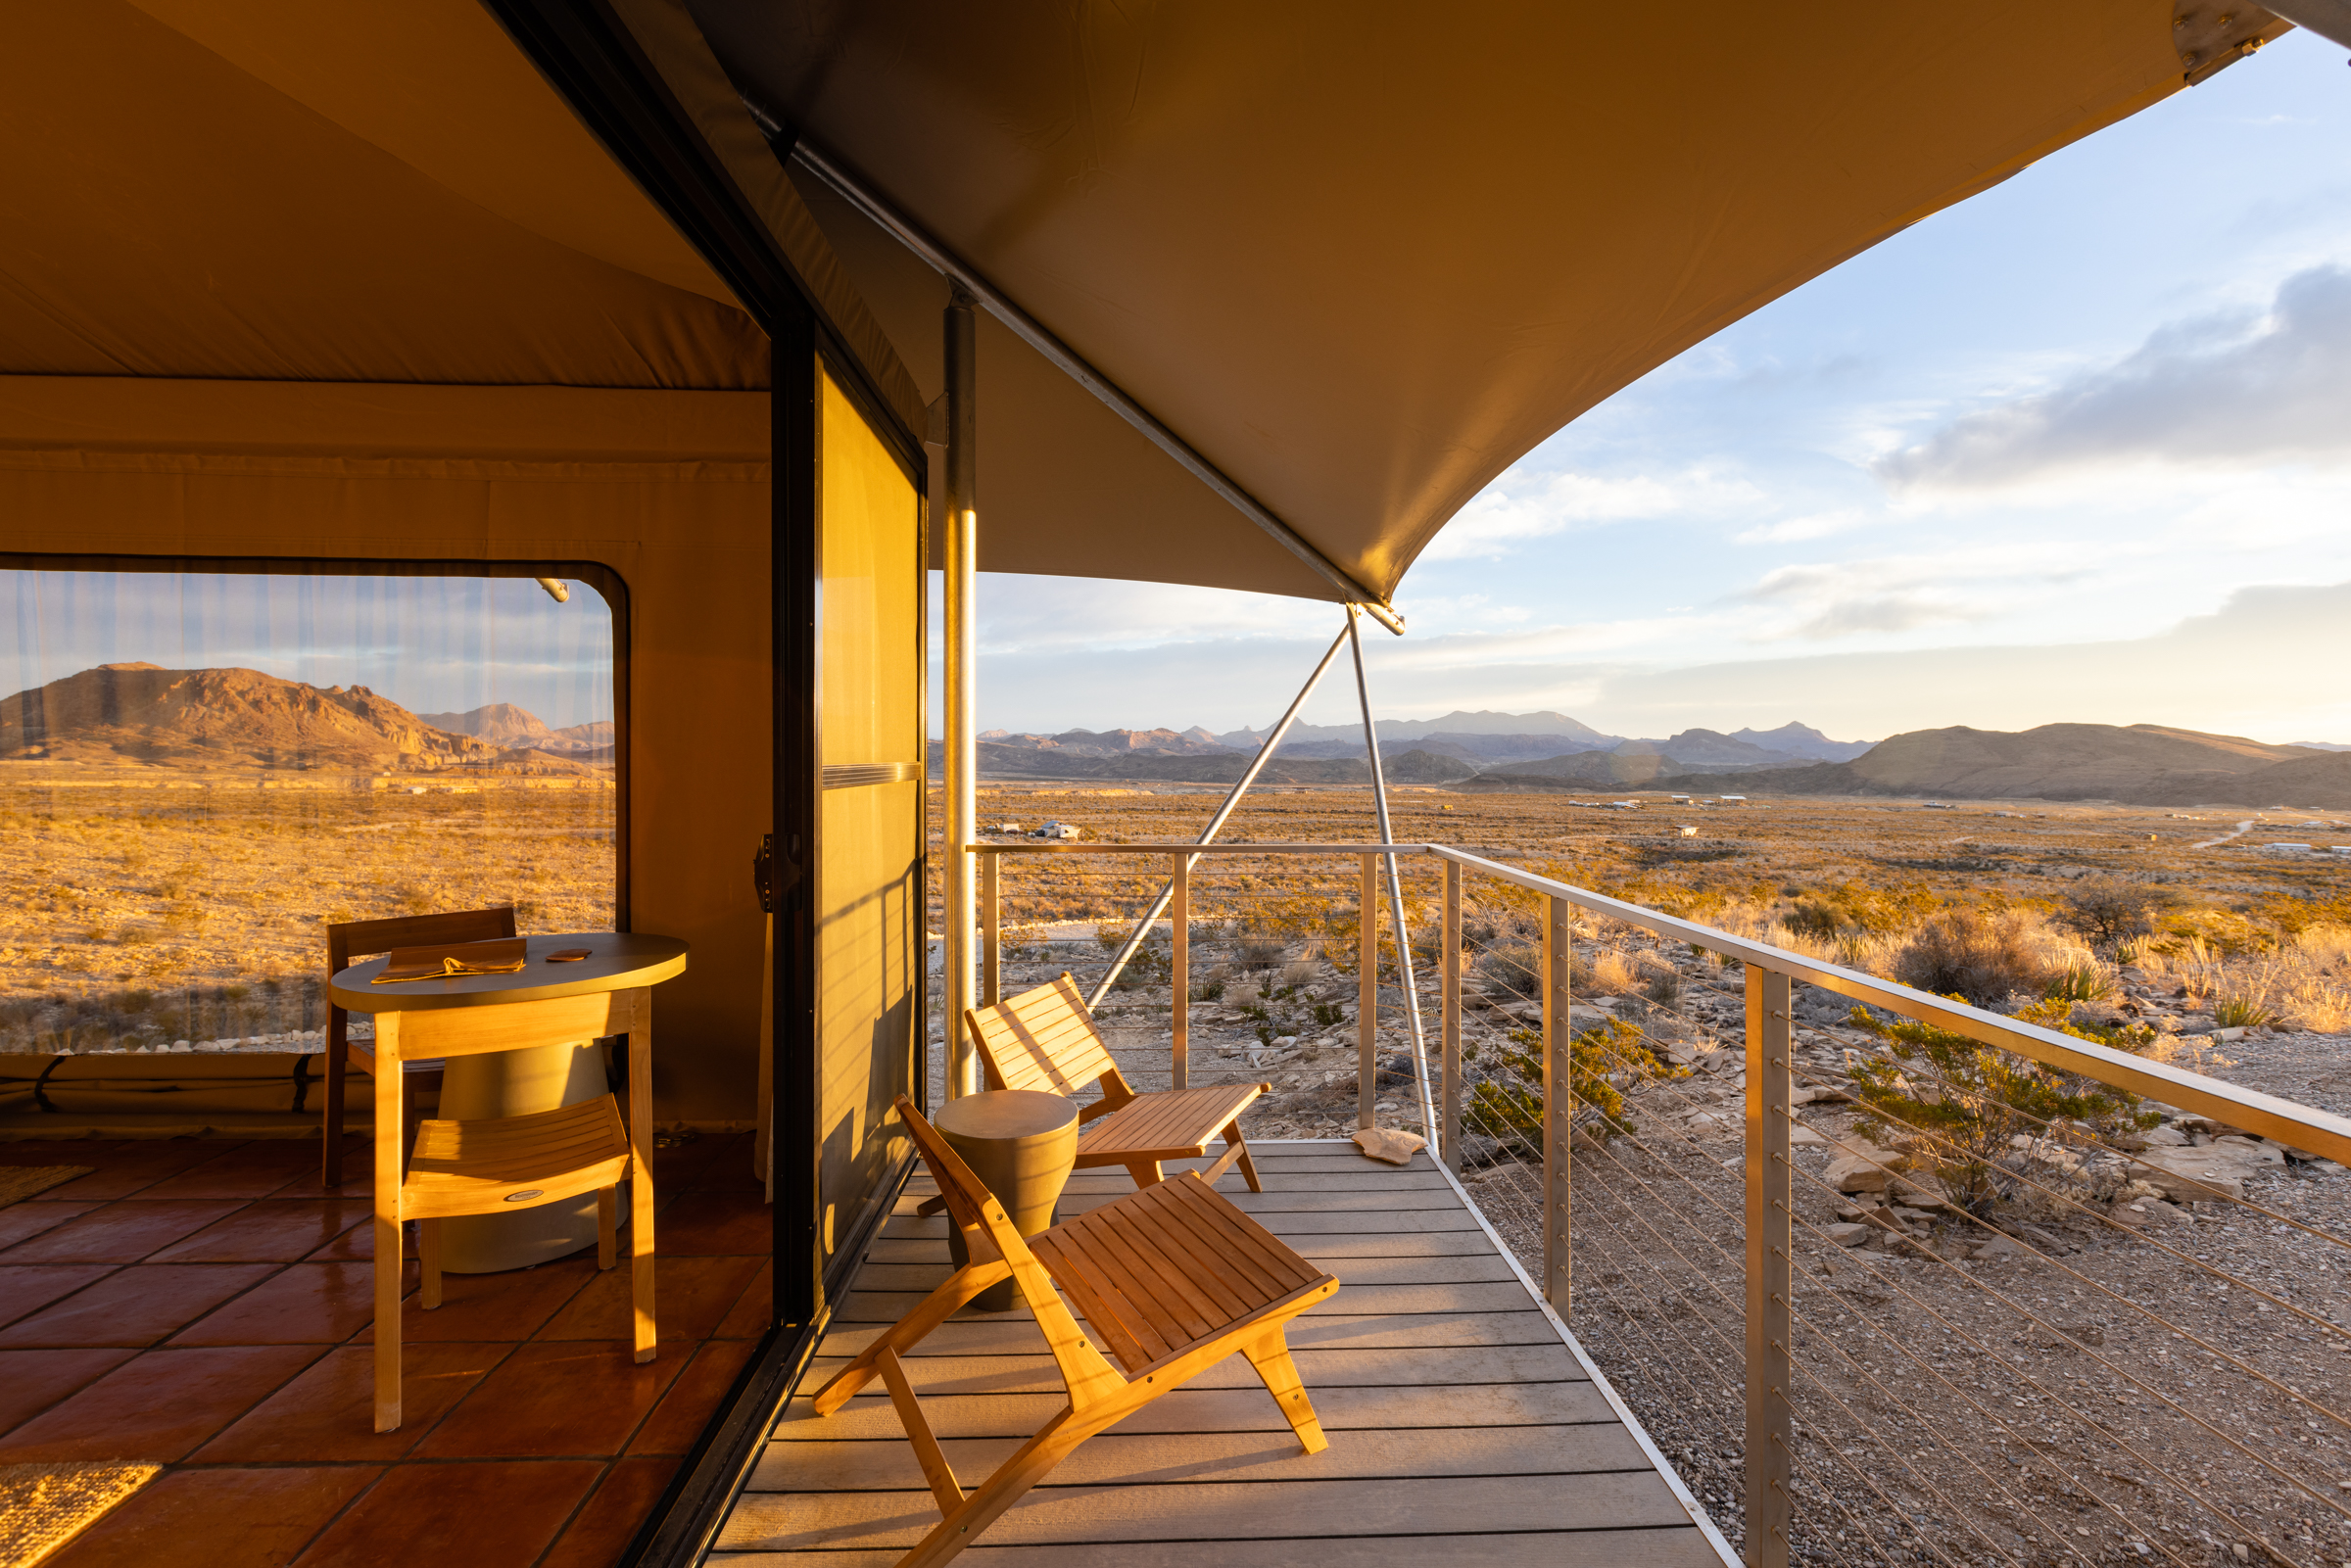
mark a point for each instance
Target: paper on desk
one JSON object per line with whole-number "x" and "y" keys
{"x": 504, "y": 956}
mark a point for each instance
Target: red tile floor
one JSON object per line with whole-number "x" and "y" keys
{"x": 206, "y": 1306}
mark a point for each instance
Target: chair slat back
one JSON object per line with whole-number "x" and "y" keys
{"x": 362, "y": 938}
{"x": 1042, "y": 1039}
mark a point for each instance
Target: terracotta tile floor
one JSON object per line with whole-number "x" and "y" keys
{"x": 206, "y": 1306}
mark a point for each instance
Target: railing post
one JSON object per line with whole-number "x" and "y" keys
{"x": 1179, "y": 910}
{"x": 1450, "y": 1122}
{"x": 1367, "y": 999}
{"x": 992, "y": 935}
{"x": 1558, "y": 1103}
{"x": 1770, "y": 1455}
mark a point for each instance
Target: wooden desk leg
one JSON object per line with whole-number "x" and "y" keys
{"x": 388, "y": 1123}
{"x": 641, "y": 1174}
{"x": 330, "y": 1113}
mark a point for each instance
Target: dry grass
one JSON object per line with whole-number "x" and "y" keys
{"x": 1855, "y": 883}
{"x": 158, "y": 904}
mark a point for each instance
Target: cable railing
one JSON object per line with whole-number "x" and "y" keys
{"x": 1888, "y": 1277}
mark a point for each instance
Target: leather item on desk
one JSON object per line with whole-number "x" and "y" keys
{"x": 504, "y": 956}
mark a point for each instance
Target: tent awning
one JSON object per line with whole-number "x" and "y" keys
{"x": 1359, "y": 259}
{"x": 1363, "y": 257}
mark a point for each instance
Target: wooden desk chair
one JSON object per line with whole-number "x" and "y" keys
{"x": 1045, "y": 1039}
{"x": 1172, "y": 1277}
{"x": 364, "y": 938}
{"x": 498, "y": 1165}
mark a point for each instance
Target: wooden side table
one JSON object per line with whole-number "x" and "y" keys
{"x": 1022, "y": 1145}
{"x": 484, "y": 1167}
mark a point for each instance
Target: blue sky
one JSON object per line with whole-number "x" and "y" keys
{"x": 436, "y": 645}
{"x": 2075, "y": 450}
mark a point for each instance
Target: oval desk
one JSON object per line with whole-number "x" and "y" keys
{"x": 546, "y": 1007}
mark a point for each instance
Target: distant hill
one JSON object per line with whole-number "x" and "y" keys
{"x": 239, "y": 718}
{"x": 501, "y": 724}
{"x": 1705, "y": 748}
{"x": 504, "y": 723}
{"x": 1013, "y": 762}
{"x": 2139, "y": 764}
{"x": 1455, "y": 726}
{"x": 1110, "y": 743}
{"x": 1802, "y": 740}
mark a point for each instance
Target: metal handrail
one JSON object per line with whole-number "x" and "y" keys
{"x": 2302, "y": 1126}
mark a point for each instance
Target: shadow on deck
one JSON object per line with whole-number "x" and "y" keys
{"x": 1465, "y": 1427}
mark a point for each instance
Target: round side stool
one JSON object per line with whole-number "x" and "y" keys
{"x": 1022, "y": 1145}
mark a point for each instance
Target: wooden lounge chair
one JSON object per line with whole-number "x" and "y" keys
{"x": 1045, "y": 1039}
{"x": 1172, "y": 1278}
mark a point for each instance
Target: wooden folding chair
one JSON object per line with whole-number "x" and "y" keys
{"x": 364, "y": 938}
{"x": 1172, "y": 1278}
{"x": 1045, "y": 1039}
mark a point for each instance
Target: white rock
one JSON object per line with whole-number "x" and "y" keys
{"x": 2217, "y": 1169}
{"x": 1846, "y": 1234}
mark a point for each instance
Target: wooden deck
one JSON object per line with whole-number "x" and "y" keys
{"x": 1465, "y": 1431}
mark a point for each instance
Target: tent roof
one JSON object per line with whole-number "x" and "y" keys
{"x": 1362, "y": 257}
{"x": 385, "y": 191}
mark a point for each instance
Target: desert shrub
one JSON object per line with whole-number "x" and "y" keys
{"x": 2217, "y": 932}
{"x": 1961, "y": 1121}
{"x": 1508, "y": 1103}
{"x": 1978, "y": 957}
{"x": 1827, "y": 912}
{"x": 1612, "y": 976}
{"x": 1513, "y": 971}
{"x": 2241, "y": 1010}
{"x": 1300, "y": 971}
{"x": 1259, "y": 953}
{"x": 1812, "y": 918}
{"x": 1209, "y": 991}
{"x": 2108, "y": 913}
{"x": 1664, "y": 986}
{"x": 1327, "y": 1013}
{"x": 2079, "y": 982}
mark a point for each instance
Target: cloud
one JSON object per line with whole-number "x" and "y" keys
{"x": 1846, "y": 598}
{"x": 1516, "y": 508}
{"x": 2222, "y": 389}
{"x": 1796, "y": 530}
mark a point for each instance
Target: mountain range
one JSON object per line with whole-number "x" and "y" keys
{"x": 2140, "y": 764}
{"x": 1550, "y": 752}
{"x": 238, "y": 718}
{"x": 1477, "y": 742}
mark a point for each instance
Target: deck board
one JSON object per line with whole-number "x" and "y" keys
{"x": 1462, "y": 1424}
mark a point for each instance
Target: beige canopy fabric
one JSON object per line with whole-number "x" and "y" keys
{"x": 1363, "y": 257}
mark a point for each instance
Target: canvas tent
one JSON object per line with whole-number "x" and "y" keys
{"x": 656, "y": 287}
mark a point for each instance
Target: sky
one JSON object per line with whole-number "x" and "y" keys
{"x": 434, "y": 644}
{"x": 2075, "y": 450}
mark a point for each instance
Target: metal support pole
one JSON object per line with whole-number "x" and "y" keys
{"x": 991, "y": 932}
{"x": 1558, "y": 1103}
{"x": 1404, "y": 934}
{"x": 962, "y": 746}
{"x": 1179, "y": 967}
{"x": 1367, "y": 999}
{"x": 1232, "y": 799}
{"x": 1451, "y": 968}
{"x": 1770, "y": 1458}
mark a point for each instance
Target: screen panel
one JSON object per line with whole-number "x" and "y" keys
{"x": 869, "y": 829}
